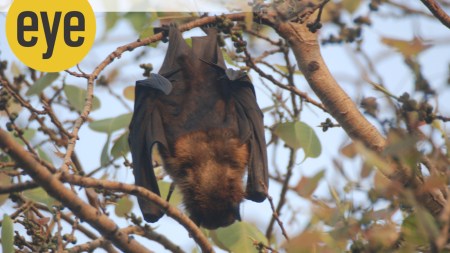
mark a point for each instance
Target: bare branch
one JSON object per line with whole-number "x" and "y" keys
{"x": 171, "y": 211}
{"x": 56, "y": 189}
{"x": 284, "y": 190}
{"x": 4, "y": 189}
{"x": 147, "y": 233}
{"x": 292, "y": 89}
{"x": 307, "y": 52}
{"x": 276, "y": 216}
{"x": 437, "y": 11}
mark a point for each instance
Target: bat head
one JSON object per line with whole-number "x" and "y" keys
{"x": 208, "y": 167}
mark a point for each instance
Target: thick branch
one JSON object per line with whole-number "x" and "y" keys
{"x": 171, "y": 211}
{"x": 56, "y": 189}
{"x": 307, "y": 52}
{"x": 437, "y": 11}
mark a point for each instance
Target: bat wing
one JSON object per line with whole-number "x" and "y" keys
{"x": 146, "y": 129}
{"x": 249, "y": 115}
{"x": 251, "y": 131}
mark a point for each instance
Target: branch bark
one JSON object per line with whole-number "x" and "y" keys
{"x": 56, "y": 189}
{"x": 307, "y": 52}
{"x": 437, "y": 11}
{"x": 171, "y": 211}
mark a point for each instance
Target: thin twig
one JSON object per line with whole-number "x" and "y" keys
{"x": 276, "y": 216}
{"x": 56, "y": 189}
{"x": 19, "y": 187}
{"x": 19, "y": 98}
{"x": 171, "y": 211}
{"x": 293, "y": 89}
{"x": 284, "y": 190}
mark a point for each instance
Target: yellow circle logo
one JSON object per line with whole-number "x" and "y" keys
{"x": 50, "y": 35}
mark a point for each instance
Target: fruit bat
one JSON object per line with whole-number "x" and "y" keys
{"x": 208, "y": 128}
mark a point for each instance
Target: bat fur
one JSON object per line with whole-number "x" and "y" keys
{"x": 208, "y": 128}
{"x": 208, "y": 167}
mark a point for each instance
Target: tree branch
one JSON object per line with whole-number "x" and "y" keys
{"x": 437, "y": 11}
{"x": 307, "y": 52}
{"x": 147, "y": 233}
{"x": 56, "y": 189}
{"x": 4, "y": 189}
{"x": 171, "y": 211}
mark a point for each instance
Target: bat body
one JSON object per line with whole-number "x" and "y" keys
{"x": 208, "y": 128}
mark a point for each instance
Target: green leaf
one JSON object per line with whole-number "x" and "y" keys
{"x": 420, "y": 228}
{"x": 5, "y": 181}
{"x": 188, "y": 41}
{"x": 407, "y": 48}
{"x": 77, "y": 98}
{"x": 382, "y": 89}
{"x": 427, "y": 223}
{"x": 123, "y": 206}
{"x": 137, "y": 19}
{"x": 411, "y": 231}
{"x": 28, "y": 134}
{"x": 306, "y": 242}
{"x": 148, "y": 29}
{"x": 308, "y": 185}
{"x": 41, "y": 196}
{"x": 111, "y": 19}
{"x": 7, "y": 234}
{"x": 227, "y": 58}
{"x": 146, "y": 32}
{"x": 299, "y": 135}
{"x": 351, "y": 5}
{"x": 175, "y": 198}
{"x": 248, "y": 20}
{"x": 166, "y": 18}
{"x": 110, "y": 125}
{"x": 268, "y": 109}
{"x": 128, "y": 92}
{"x": 43, "y": 155}
{"x": 42, "y": 83}
{"x": 120, "y": 147}
{"x": 104, "y": 157}
{"x": 285, "y": 70}
{"x": 15, "y": 69}
{"x": 238, "y": 237}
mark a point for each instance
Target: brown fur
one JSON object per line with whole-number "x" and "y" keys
{"x": 208, "y": 167}
{"x": 209, "y": 130}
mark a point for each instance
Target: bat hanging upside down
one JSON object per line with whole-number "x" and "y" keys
{"x": 208, "y": 128}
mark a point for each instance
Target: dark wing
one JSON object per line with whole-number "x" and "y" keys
{"x": 146, "y": 129}
{"x": 251, "y": 131}
{"x": 157, "y": 82}
{"x": 250, "y": 117}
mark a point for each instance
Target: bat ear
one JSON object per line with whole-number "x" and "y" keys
{"x": 156, "y": 81}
